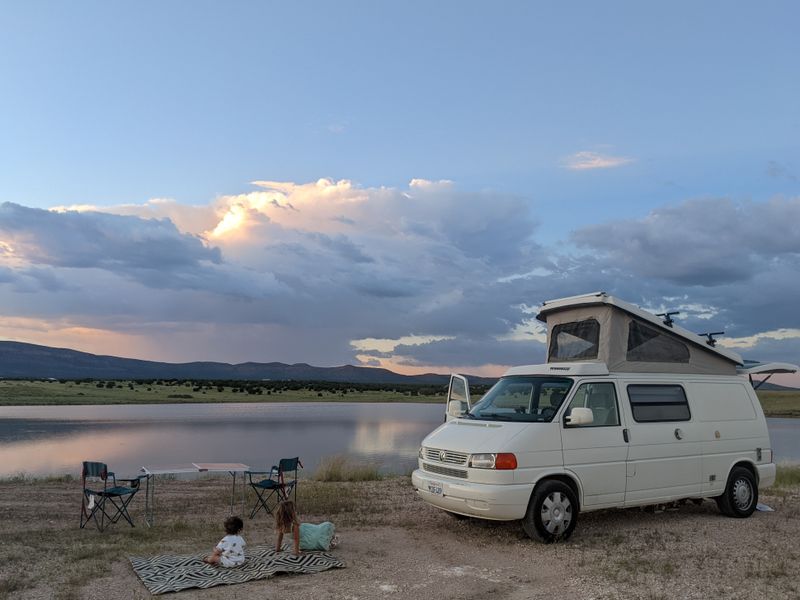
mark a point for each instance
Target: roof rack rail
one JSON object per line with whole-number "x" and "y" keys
{"x": 668, "y": 317}
{"x": 711, "y": 341}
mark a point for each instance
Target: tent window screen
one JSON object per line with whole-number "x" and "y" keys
{"x": 647, "y": 344}
{"x": 575, "y": 341}
{"x": 655, "y": 403}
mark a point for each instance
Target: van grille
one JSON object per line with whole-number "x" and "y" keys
{"x": 446, "y": 456}
{"x": 444, "y": 471}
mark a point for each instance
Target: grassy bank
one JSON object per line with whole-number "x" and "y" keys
{"x": 23, "y": 393}
{"x": 780, "y": 404}
{"x": 32, "y": 393}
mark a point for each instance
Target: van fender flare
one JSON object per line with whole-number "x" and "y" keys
{"x": 564, "y": 475}
{"x": 743, "y": 462}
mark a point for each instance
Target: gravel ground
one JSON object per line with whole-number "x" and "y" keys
{"x": 396, "y": 546}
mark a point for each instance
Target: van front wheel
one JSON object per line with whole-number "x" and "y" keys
{"x": 741, "y": 494}
{"x": 552, "y": 512}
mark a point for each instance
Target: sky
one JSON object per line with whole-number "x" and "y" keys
{"x": 394, "y": 184}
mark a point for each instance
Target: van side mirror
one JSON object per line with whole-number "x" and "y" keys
{"x": 579, "y": 416}
{"x": 455, "y": 408}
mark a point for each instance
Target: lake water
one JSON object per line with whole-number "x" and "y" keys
{"x": 54, "y": 440}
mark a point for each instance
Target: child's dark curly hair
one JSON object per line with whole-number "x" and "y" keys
{"x": 233, "y": 525}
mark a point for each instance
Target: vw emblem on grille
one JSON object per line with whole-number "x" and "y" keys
{"x": 442, "y": 455}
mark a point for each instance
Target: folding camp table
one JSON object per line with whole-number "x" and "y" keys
{"x": 150, "y": 472}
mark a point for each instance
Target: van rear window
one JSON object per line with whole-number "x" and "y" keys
{"x": 657, "y": 403}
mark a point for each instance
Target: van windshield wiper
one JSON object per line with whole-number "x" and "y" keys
{"x": 498, "y": 416}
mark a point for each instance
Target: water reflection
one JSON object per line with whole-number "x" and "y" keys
{"x": 386, "y": 438}
{"x": 43, "y": 440}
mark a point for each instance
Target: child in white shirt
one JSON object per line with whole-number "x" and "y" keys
{"x": 230, "y": 550}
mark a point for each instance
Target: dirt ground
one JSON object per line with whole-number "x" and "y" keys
{"x": 395, "y": 546}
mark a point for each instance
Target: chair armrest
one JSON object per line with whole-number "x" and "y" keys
{"x": 270, "y": 474}
{"x": 133, "y": 481}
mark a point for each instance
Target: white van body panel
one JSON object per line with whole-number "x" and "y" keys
{"x": 660, "y": 462}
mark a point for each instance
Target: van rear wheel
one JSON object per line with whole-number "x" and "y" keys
{"x": 741, "y": 494}
{"x": 552, "y": 512}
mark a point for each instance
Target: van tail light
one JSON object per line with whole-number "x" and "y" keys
{"x": 505, "y": 461}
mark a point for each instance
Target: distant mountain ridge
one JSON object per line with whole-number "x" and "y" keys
{"x": 19, "y": 360}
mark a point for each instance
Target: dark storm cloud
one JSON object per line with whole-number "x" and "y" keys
{"x": 100, "y": 240}
{"x": 341, "y": 245}
{"x": 150, "y": 251}
{"x": 700, "y": 242}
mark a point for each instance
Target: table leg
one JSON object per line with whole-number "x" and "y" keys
{"x": 244, "y": 492}
{"x": 149, "y": 498}
{"x": 233, "y": 490}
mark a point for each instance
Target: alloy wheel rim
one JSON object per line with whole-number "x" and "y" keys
{"x": 556, "y": 513}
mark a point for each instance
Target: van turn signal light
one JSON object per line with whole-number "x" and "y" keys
{"x": 505, "y": 461}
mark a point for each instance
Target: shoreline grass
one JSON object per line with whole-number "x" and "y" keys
{"x": 70, "y": 393}
{"x": 779, "y": 404}
{"x": 787, "y": 476}
{"x": 341, "y": 468}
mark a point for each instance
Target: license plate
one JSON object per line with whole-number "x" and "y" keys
{"x": 435, "y": 488}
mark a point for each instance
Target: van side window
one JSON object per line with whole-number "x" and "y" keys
{"x": 602, "y": 399}
{"x": 656, "y": 403}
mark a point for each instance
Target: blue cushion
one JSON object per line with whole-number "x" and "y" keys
{"x": 316, "y": 537}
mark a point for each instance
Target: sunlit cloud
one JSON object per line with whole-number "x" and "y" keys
{"x": 586, "y": 160}
{"x": 527, "y": 330}
{"x": 750, "y": 341}
{"x": 387, "y": 345}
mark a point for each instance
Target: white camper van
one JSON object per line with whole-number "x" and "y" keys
{"x": 629, "y": 410}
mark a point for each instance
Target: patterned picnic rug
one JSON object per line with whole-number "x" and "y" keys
{"x": 165, "y": 573}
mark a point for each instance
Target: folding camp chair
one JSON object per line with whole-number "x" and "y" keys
{"x": 279, "y": 485}
{"x": 100, "y": 502}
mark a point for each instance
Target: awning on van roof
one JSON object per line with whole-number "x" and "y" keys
{"x": 758, "y": 368}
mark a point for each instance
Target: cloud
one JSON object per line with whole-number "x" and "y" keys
{"x": 586, "y": 160}
{"x": 420, "y": 277}
{"x": 700, "y": 242}
{"x": 386, "y": 345}
{"x": 311, "y": 266}
{"x": 753, "y": 340}
{"x": 777, "y": 170}
{"x": 96, "y": 240}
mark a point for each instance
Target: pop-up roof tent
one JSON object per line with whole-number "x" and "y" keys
{"x": 599, "y": 327}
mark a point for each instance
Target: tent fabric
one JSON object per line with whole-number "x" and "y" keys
{"x": 628, "y": 344}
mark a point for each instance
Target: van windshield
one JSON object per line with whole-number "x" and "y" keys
{"x": 522, "y": 398}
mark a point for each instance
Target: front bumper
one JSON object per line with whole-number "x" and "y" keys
{"x": 486, "y": 501}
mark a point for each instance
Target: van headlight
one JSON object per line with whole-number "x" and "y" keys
{"x": 503, "y": 461}
{"x": 420, "y": 451}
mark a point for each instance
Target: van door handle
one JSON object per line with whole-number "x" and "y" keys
{"x": 678, "y": 434}
{"x": 625, "y": 435}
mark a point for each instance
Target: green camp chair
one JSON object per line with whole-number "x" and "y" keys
{"x": 279, "y": 485}
{"x": 110, "y": 504}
